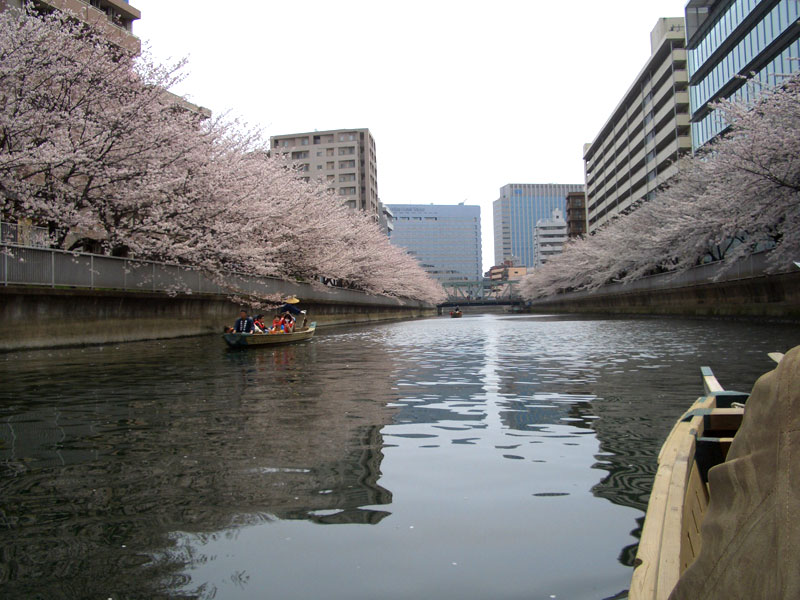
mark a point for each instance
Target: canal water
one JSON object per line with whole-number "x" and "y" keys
{"x": 487, "y": 457}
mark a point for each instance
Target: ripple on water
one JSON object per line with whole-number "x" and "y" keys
{"x": 164, "y": 468}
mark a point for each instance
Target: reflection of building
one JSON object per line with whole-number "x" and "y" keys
{"x": 516, "y": 212}
{"x": 727, "y": 40}
{"x": 576, "y": 214}
{"x": 647, "y": 132}
{"x": 343, "y": 159}
{"x": 549, "y": 238}
{"x": 113, "y": 17}
{"x": 445, "y": 239}
{"x": 243, "y": 439}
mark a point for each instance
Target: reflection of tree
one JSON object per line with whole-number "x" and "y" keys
{"x": 176, "y": 437}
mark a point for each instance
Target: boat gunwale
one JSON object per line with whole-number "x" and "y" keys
{"x": 667, "y": 545}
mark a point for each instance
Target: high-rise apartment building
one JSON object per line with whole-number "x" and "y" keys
{"x": 648, "y": 131}
{"x": 516, "y": 212}
{"x": 549, "y": 238}
{"x": 731, "y": 39}
{"x": 113, "y": 17}
{"x": 576, "y": 214}
{"x": 342, "y": 158}
{"x": 445, "y": 239}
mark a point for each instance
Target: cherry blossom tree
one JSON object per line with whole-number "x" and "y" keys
{"x": 739, "y": 196}
{"x": 92, "y": 143}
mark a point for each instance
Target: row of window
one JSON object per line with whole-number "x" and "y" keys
{"x": 722, "y": 29}
{"x": 319, "y": 139}
{"x": 778, "y": 20}
{"x": 712, "y": 124}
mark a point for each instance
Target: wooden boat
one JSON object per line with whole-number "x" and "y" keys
{"x": 455, "y": 314}
{"x": 248, "y": 340}
{"x": 678, "y": 501}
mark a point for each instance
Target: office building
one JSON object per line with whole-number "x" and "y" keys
{"x": 549, "y": 238}
{"x": 445, "y": 239}
{"x": 576, "y": 214}
{"x": 517, "y": 211}
{"x": 113, "y": 17}
{"x": 729, "y": 39}
{"x": 344, "y": 159}
{"x": 648, "y": 131}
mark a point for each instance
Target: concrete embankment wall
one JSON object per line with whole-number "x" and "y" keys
{"x": 39, "y": 317}
{"x": 745, "y": 291}
{"x": 55, "y": 298}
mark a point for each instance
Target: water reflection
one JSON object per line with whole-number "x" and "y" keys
{"x": 483, "y": 457}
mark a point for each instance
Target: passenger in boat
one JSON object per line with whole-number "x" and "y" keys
{"x": 259, "y": 324}
{"x": 276, "y": 325}
{"x": 244, "y": 324}
{"x": 288, "y": 322}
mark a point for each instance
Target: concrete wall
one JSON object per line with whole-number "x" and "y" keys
{"x": 39, "y": 317}
{"x": 767, "y": 296}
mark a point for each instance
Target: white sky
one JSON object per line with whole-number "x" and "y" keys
{"x": 462, "y": 97}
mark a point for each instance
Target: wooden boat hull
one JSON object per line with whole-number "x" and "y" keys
{"x": 249, "y": 340}
{"x": 678, "y": 501}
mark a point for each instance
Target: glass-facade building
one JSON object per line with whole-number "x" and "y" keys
{"x": 517, "y": 211}
{"x": 727, "y": 39}
{"x": 445, "y": 239}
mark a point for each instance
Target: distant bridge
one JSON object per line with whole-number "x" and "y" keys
{"x": 481, "y": 293}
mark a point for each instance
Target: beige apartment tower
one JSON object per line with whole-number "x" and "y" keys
{"x": 648, "y": 131}
{"x": 113, "y": 17}
{"x": 342, "y": 158}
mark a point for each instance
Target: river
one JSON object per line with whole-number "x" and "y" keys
{"x": 487, "y": 457}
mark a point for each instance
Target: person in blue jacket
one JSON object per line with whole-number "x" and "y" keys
{"x": 244, "y": 324}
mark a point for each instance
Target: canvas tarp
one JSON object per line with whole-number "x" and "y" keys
{"x": 751, "y": 532}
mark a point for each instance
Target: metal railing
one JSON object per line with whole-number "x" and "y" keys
{"x": 45, "y": 267}
{"x": 24, "y": 235}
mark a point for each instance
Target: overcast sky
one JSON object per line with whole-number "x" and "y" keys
{"x": 462, "y": 97}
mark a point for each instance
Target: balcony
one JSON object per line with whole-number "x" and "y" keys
{"x": 114, "y": 18}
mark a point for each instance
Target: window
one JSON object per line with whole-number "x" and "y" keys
{"x": 329, "y": 165}
{"x": 347, "y": 177}
{"x": 302, "y": 154}
{"x": 347, "y": 191}
{"x": 347, "y": 164}
{"x": 328, "y": 151}
{"x": 304, "y": 141}
{"x": 345, "y": 150}
{"x": 331, "y": 178}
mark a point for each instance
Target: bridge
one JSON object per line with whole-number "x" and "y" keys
{"x": 482, "y": 293}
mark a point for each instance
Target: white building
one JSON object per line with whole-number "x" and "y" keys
{"x": 549, "y": 237}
